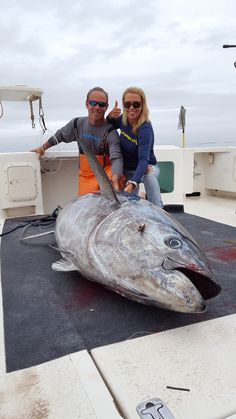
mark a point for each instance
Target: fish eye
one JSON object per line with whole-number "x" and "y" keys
{"x": 173, "y": 243}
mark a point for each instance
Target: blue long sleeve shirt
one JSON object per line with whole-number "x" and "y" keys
{"x": 137, "y": 149}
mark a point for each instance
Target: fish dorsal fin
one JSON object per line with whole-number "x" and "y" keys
{"x": 101, "y": 176}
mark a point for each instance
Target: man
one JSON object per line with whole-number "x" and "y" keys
{"x": 99, "y": 135}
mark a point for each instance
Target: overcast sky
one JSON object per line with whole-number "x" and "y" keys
{"x": 170, "y": 48}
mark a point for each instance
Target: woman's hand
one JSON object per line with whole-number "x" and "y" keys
{"x": 115, "y": 112}
{"x": 130, "y": 186}
{"x": 149, "y": 169}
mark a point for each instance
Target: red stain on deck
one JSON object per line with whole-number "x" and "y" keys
{"x": 224, "y": 253}
{"x": 87, "y": 295}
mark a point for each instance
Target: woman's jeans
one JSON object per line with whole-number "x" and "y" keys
{"x": 151, "y": 184}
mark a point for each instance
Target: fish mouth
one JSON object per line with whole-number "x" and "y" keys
{"x": 202, "y": 281}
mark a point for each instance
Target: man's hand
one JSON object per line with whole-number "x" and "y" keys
{"x": 118, "y": 182}
{"x": 115, "y": 112}
{"x": 39, "y": 150}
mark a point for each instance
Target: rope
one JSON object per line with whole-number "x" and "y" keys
{"x": 41, "y": 116}
{"x": 31, "y": 113}
{"x": 44, "y": 128}
{"x": 41, "y": 112}
{"x": 46, "y": 158}
{"x": 40, "y": 222}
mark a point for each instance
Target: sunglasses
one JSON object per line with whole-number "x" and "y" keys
{"x": 135, "y": 105}
{"x": 95, "y": 103}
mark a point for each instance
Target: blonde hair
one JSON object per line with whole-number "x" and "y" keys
{"x": 144, "y": 116}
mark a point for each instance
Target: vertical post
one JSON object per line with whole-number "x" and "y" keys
{"x": 183, "y": 139}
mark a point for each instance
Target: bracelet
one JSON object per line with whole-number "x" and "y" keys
{"x": 132, "y": 182}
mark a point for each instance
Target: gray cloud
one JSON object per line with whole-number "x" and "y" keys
{"x": 173, "y": 50}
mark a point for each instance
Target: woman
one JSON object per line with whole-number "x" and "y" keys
{"x": 137, "y": 141}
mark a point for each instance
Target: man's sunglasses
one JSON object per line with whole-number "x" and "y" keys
{"x": 135, "y": 105}
{"x": 95, "y": 103}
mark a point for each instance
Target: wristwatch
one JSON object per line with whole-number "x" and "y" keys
{"x": 132, "y": 182}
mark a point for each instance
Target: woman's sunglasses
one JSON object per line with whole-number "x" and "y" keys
{"x": 135, "y": 105}
{"x": 95, "y": 103}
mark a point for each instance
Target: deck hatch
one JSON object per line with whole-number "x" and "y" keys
{"x": 21, "y": 182}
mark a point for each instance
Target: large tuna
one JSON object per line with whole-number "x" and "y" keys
{"x": 133, "y": 248}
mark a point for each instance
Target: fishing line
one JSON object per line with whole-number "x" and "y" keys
{"x": 39, "y": 222}
{"x": 46, "y": 158}
{"x": 138, "y": 333}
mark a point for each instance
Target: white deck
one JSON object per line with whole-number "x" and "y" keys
{"x": 134, "y": 371}
{"x": 221, "y": 210}
{"x": 199, "y": 358}
{"x": 69, "y": 387}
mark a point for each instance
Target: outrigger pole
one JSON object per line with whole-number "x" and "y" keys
{"x": 230, "y": 46}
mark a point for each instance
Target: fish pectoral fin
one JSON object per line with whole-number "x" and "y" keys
{"x": 64, "y": 265}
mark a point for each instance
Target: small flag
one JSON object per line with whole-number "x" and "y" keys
{"x": 181, "y": 124}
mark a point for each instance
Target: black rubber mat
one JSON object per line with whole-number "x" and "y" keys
{"x": 49, "y": 314}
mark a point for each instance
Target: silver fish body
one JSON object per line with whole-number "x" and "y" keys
{"x": 135, "y": 249}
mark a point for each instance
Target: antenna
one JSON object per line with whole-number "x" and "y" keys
{"x": 230, "y": 46}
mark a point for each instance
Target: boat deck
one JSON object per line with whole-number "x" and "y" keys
{"x": 219, "y": 209}
{"x": 66, "y": 336}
